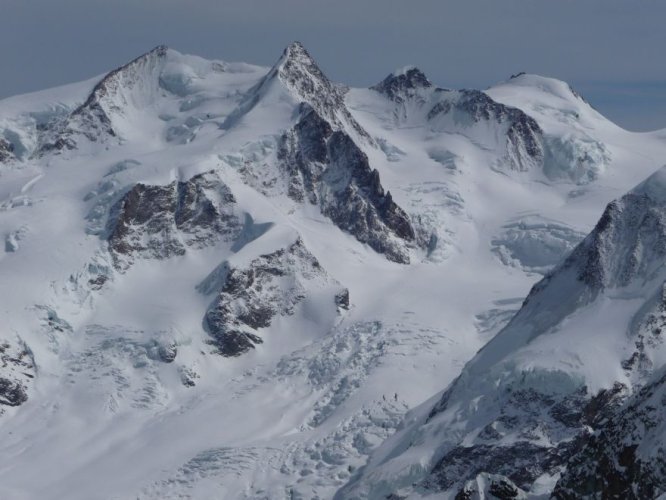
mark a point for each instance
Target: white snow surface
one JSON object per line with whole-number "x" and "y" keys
{"x": 295, "y": 417}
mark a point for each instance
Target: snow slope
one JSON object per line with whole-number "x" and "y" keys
{"x": 546, "y": 396}
{"x": 222, "y": 280}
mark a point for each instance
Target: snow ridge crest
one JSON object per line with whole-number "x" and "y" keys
{"x": 113, "y": 94}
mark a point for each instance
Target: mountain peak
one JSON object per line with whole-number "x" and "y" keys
{"x": 93, "y": 118}
{"x": 403, "y": 81}
{"x": 298, "y": 73}
{"x": 129, "y": 71}
{"x": 297, "y": 65}
{"x": 160, "y": 50}
{"x": 296, "y": 50}
{"x": 411, "y": 74}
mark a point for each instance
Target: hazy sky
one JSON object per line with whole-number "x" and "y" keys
{"x": 612, "y": 51}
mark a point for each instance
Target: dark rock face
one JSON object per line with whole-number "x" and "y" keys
{"x": 162, "y": 221}
{"x": 503, "y": 490}
{"x": 6, "y": 150}
{"x": 634, "y": 224}
{"x": 12, "y": 393}
{"x": 300, "y": 72}
{"x": 399, "y": 87}
{"x": 488, "y": 486}
{"x": 526, "y": 419}
{"x": 17, "y": 368}
{"x": 521, "y": 464}
{"x": 626, "y": 457}
{"x": 535, "y": 433}
{"x": 91, "y": 120}
{"x": 250, "y": 297}
{"x": 326, "y": 168}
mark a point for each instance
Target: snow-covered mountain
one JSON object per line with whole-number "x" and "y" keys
{"x": 566, "y": 398}
{"x": 228, "y": 281}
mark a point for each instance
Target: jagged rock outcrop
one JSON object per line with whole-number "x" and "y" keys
{"x": 17, "y": 369}
{"x": 93, "y": 120}
{"x": 328, "y": 169}
{"x": 533, "y": 432}
{"x": 159, "y": 222}
{"x": 403, "y": 84}
{"x": 6, "y": 150}
{"x": 626, "y": 457}
{"x": 321, "y": 156}
{"x": 252, "y": 295}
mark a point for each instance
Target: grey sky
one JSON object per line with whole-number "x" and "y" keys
{"x": 610, "y": 50}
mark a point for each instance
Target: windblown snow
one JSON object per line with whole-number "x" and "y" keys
{"x": 228, "y": 281}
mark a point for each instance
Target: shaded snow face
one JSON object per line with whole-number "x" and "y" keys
{"x": 116, "y": 93}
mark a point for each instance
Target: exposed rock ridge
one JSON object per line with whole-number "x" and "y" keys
{"x": 92, "y": 119}
{"x": 328, "y": 169}
{"x": 402, "y": 85}
{"x": 490, "y": 486}
{"x": 251, "y": 296}
{"x": 300, "y": 75}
